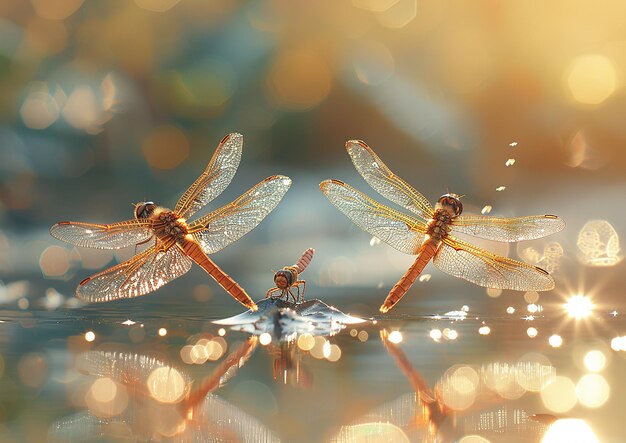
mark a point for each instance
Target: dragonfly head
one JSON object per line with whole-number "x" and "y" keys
{"x": 452, "y": 203}
{"x": 283, "y": 278}
{"x": 144, "y": 209}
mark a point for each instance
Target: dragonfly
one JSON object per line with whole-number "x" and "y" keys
{"x": 431, "y": 232}
{"x": 174, "y": 242}
{"x": 287, "y": 278}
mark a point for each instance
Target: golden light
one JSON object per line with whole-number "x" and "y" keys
{"x": 593, "y": 390}
{"x": 618, "y": 343}
{"x": 395, "y": 337}
{"x": 473, "y": 439}
{"x": 317, "y": 351}
{"x": 579, "y": 306}
{"x": 599, "y": 243}
{"x": 221, "y": 332}
{"x": 156, "y": 5}
{"x": 162, "y": 332}
{"x": 104, "y": 390}
{"x": 591, "y": 79}
{"x": 299, "y": 79}
{"x": 90, "y": 336}
{"x": 450, "y": 334}
{"x": 459, "y": 387}
{"x": 532, "y": 308}
{"x": 595, "y": 360}
{"x": 436, "y": 334}
{"x": 165, "y": 147}
{"x": 57, "y": 10}
{"x": 166, "y": 385}
{"x": 534, "y": 372}
{"x": 555, "y": 341}
{"x": 486, "y": 210}
{"x": 510, "y": 162}
{"x": 500, "y": 377}
{"x": 532, "y": 332}
{"x": 105, "y": 398}
{"x": 265, "y": 339}
{"x": 484, "y": 330}
{"x": 494, "y": 292}
{"x": 531, "y": 297}
{"x": 363, "y": 336}
{"x": 334, "y": 352}
{"x": 560, "y": 395}
{"x": 510, "y": 310}
{"x": 306, "y": 342}
{"x": 570, "y": 430}
{"x": 371, "y": 432}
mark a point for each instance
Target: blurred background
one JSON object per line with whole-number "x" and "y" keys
{"x": 518, "y": 106}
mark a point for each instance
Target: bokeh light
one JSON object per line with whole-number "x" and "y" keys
{"x": 555, "y": 341}
{"x": 560, "y": 395}
{"x": 395, "y": 337}
{"x": 591, "y": 79}
{"x": 54, "y": 261}
{"x": 299, "y": 79}
{"x": 166, "y": 385}
{"x": 165, "y": 147}
{"x": 595, "y": 360}
{"x": 592, "y": 390}
{"x": 90, "y": 336}
{"x": 579, "y": 306}
{"x": 265, "y": 339}
{"x": 571, "y": 430}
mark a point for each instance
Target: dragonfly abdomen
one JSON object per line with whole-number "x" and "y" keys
{"x": 426, "y": 253}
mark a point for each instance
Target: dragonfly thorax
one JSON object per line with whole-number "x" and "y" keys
{"x": 168, "y": 224}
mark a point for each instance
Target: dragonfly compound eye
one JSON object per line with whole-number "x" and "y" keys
{"x": 144, "y": 210}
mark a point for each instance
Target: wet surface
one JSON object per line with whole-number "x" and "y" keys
{"x": 305, "y": 373}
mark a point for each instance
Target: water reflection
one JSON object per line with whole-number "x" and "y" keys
{"x": 131, "y": 395}
{"x": 447, "y": 412}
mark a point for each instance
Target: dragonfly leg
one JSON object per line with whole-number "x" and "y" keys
{"x": 270, "y": 291}
{"x": 297, "y": 285}
{"x": 144, "y": 242}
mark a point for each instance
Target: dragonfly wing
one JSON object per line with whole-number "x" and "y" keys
{"x": 215, "y": 178}
{"x": 142, "y": 274}
{"x": 385, "y": 182}
{"x": 401, "y": 231}
{"x": 489, "y": 270}
{"x": 229, "y": 223}
{"x": 113, "y": 236}
{"x": 508, "y": 229}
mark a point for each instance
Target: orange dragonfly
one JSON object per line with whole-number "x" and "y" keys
{"x": 432, "y": 235}
{"x": 177, "y": 243}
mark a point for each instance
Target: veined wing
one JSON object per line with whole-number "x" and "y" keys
{"x": 403, "y": 232}
{"x": 217, "y": 175}
{"x": 142, "y": 274}
{"x": 508, "y": 229}
{"x": 385, "y": 182}
{"x": 489, "y": 270}
{"x": 229, "y": 223}
{"x": 112, "y": 236}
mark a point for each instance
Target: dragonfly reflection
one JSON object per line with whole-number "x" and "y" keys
{"x": 177, "y": 243}
{"x": 164, "y": 402}
{"x": 433, "y": 415}
{"x": 432, "y": 235}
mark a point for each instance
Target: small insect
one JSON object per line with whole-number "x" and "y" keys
{"x": 287, "y": 278}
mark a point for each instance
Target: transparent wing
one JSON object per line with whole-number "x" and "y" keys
{"x": 142, "y": 274}
{"x": 113, "y": 236}
{"x": 385, "y": 182}
{"x": 217, "y": 175}
{"x": 229, "y": 223}
{"x": 489, "y": 270}
{"x": 508, "y": 229}
{"x": 401, "y": 231}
